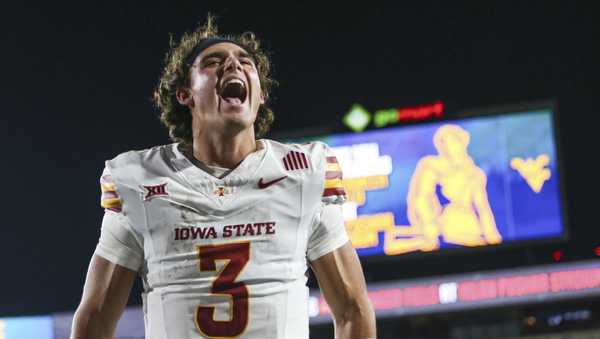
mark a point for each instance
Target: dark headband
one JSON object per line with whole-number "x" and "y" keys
{"x": 204, "y": 44}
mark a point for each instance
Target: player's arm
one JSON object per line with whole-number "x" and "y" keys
{"x": 105, "y": 294}
{"x": 112, "y": 270}
{"x": 342, "y": 283}
{"x": 335, "y": 263}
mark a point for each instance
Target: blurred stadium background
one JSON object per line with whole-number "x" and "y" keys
{"x": 511, "y": 89}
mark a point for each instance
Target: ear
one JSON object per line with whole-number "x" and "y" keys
{"x": 184, "y": 97}
{"x": 262, "y": 98}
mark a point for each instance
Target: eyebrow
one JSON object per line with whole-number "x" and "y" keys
{"x": 222, "y": 55}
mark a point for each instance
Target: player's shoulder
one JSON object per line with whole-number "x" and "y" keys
{"x": 316, "y": 164}
{"x": 309, "y": 147}
{"x": 313, "y": 153}
{"x": 134, "y": 165}
{"x": 142, "y": 157}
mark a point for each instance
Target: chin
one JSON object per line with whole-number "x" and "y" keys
{"x": 237, "y": 123}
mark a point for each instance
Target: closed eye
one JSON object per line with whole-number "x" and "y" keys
{"x": 246, "y": 61}
{"x": 212, "y": 62}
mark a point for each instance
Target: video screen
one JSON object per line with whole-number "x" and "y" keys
{"x": 39, "y": 327}
{"x": 471, "y": 182}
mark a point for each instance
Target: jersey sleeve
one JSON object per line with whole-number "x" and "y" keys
{"x": 333, "y": 190}
{"x": 118, "y": 242}
{"x": 329, "y": 231}
{"x": 110, "y": 199}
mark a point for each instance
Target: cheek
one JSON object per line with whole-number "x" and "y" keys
{"x": 255, "y": 84}
{"x": 202, "y": 83}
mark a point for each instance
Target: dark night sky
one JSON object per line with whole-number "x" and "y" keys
{"x": 77, "y": 82}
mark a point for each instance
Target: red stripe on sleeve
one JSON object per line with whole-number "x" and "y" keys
{"x": 333, "y": 175}
{"x": 332, "y": 160}
{"x": 334, "y": 191}
{"x": 109, "y": 195}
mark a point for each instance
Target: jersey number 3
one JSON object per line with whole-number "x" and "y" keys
{"x": 237, "y": 256}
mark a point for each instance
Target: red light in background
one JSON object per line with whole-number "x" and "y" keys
{"x": 597, "y": 251}
{"x": 507, "y": 286}
{"x": 421, "y": 112}
{"x": 557, "y": 255}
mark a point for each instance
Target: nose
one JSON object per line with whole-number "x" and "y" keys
{"x": 232, "y": 64}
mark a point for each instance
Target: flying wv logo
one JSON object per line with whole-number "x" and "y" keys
{"x": 295, "y": 161}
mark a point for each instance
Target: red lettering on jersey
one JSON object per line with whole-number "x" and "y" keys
{"x": 248, "y": 230}
{"x": 185, "y": 233}
{"x": 239, "y": 230}
{"x": 259, "y": 226}
{"x": 156, "y": 191}
{"x": 212, "y": 233}
{"x": 270, "y": 228}
{"x": 198, "y": 232}
{"x": 226, "y": 282}
{"x": 227, "y": 231}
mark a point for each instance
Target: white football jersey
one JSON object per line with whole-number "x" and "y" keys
{"x": 223, "y": 258}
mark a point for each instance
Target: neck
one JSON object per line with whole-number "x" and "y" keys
{"x": 223, "y": 150}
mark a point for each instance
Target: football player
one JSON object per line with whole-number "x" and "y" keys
{"x": 221, "y": 225}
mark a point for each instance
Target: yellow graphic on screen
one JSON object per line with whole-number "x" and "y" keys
{"x": 534, "y": 171}
{"x": 466, "y": 219}
{"x": 364, "y": 230}
{"x": 356, "y": 187}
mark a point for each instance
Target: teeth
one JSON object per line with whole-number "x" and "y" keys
{"x": 231, "y": 81}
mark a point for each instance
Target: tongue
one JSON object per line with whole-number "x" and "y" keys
{"x": 233, "y": 101}
{"x": 233, "y": 92}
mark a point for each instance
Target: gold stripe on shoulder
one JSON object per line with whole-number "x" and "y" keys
{"x": 107, "y": 187}
{"x": 111, "y": 203}
{"x": 333, "y": 183}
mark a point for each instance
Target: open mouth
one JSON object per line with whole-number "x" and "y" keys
{"x": 233, "y": 91}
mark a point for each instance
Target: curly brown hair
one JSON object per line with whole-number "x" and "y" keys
{"x": 176, "y": 117}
